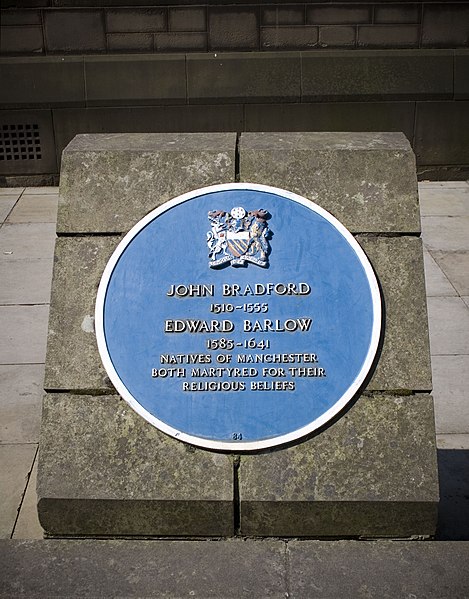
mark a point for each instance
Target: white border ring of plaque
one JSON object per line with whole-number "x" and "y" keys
{"x": 238, "y": 317}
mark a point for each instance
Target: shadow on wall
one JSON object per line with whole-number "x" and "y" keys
{"x": 453, "y": 515}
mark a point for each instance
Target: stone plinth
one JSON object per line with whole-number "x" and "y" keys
{"x": 105, "y": 470}
{"x": 366, "y": 180}
{"x": 370, "y": 473}
{"x": 109, "y": 182}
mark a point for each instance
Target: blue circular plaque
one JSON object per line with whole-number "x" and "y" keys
{"x": 238, "y": 317}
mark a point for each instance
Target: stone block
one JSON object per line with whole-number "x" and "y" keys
{"x": 102, "y": 175}
{"x": 388, "y": 36}
{"x": 233, "y": 78}
{"x": 379, "y": 75}
{"x": 134, "y": 80}
{"x": 21, "y": 17}
{"x": 332, "y": 116}
{"x": 188, "y": 18}
{"x": 289, "y": 38}
{"x": 337, "y": 36}
{"x": 461, "y": 75}
{"x": 21, "y": 40}
{"x": 283, "y": 15}
{"x": 366, "y": 180}
{"x": 130, "y": 42}
{"x": 73, "y": 360}
{"x": 42, "y": 81}
{"x": 181, "y": 42}
{"x": 404, "y": 360}
{"x": 373, "y": 473}
{"x": 140, "y": 568}
{"x": 146, "y": 119}
{"x": 377, "y": 570}
{"x": 74, "y": 31}
{"x": 445, "y": 25}
{"x": 233, "y": 28}
{"x": 397, "y": 13}
{"x": 103, "y": 470}
{"x": 335, "y": 15}
{"x": 439, "y": 136}
{"x": 138, "y": 20}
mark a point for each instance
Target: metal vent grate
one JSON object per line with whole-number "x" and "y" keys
{"x": 20, "y": 142}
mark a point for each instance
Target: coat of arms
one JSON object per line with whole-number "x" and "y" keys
{"x": 238, "y": 237}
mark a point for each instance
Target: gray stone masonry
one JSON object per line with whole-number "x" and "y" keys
{"x": 371, "y": 474}
{"x": 366, "y": 180}
{"x": 109, "y": 182}
{"x": 103, "y": 470}
{"x": 73, "y": 361}
{"x": 231, "y": 569}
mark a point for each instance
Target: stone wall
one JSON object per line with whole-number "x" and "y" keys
{"x": 63, "y": 26}
{"x": 70, "y": 67}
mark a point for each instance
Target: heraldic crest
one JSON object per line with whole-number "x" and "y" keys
{"x": 238, "y": 237}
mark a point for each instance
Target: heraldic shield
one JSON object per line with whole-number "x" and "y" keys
{"x": 238, "y": 237}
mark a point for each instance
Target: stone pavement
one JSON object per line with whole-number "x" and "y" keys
{"x": 27, "y": 232}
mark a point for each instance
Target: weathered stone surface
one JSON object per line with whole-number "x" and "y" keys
{"x": 109, "y": 182}
{"x": 384, "y": 570}
{"x": 103, "y": 470}
{"x": 234, "y": 568}
{"x": 243, "y": 77}
{"x": 372, "y": 473}
{"x": 73, "y": 360}
{"x": 379, "y": 74}
{"x": 366, "y": 180}
{"x": 404, "y": 359}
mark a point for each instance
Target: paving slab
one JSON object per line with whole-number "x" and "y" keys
{"x": 49, "y": 190}
{"x": 104, "y": 470}
{"x": 118, "y": 568}
{"x": 11, "y": 191}
{"x": 453, "y": 511}
{"x": 452, "y": 441}
{"x": 450, "y": 385}
{"x": 27, "y": 241}
{"x": 445, "y": 233}
{"x": 25, "y": 281}
{"x": 384, "y": 570}
{"x": 366, "y": 180}
{"x": 6, "y": 204}
{"x": 24, "y": 333}
{"x": 436, "y": 282}
{"x": 20, "y": 402}
{"x": 16, "y": 462}
{"x": 455, "y": 265}
{"x": 444, "y": 184}
{"x": 35, "y": 209}
{"x": 370, "y": 474}
{"x": 444, "y": 201}
{"x": 109, "y": 182}
{"x": 465, "y": 299}
{"x": 27, "y": 525}
{"x": 449, "y": 324}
